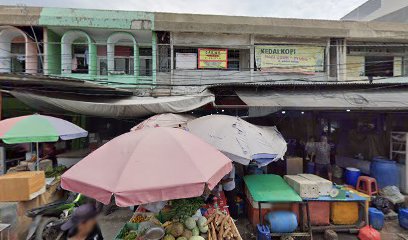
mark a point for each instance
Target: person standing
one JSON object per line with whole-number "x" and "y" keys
{"x": 310, "y": 149}
{"x": 322, "y": 159}
{"x": 228, "y": 185}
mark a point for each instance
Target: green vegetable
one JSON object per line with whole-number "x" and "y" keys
{"x": 182, "y": 238}
{"x": 196, "y": 238}
{"x": 131, "y": 235}
{"x": 190, "y": 223}
{"x": 202, "y": 221}
{"x": 169, "y": 237}
{"x": 182, "y": 209}
{"x": 204, "y": 229}
{"x": 195, "y": 231}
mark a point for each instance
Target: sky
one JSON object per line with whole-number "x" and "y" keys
{"x": 316, "y": 9}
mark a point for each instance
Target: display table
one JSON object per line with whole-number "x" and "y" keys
{"x": 270, "y": 188}
{"x": 350, "y": 196}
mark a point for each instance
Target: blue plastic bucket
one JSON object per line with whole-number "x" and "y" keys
{"x": 385, "y": 172}
{"x": 352, "y": 175}
{"x": 282, "y": 221}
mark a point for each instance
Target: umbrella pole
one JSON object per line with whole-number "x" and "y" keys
{"x": 38, "y": 155}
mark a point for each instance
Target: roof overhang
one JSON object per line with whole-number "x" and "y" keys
{"x": 360, "y": 100}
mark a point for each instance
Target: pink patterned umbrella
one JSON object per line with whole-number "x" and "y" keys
{"x": 148, "y": 165}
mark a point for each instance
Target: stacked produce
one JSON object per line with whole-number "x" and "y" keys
{"x": 182, "y": 220}
{"x": 180, "y": 209}
{"x": 222, "y": 226}
{"x": 191, "y": 229}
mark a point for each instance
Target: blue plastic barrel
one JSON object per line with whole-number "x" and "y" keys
{"x": 282, "y": 221}
{"x": 263, "y": 232}
{"x": 352, "y": 175}
{"x": 385, "y": 172}
{"x": 310, "y": 167}
{"x": 403, "y": 217}
{"x": 376, "y": 218}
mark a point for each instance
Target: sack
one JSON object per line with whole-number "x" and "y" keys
{"x": 382, "y": 204}
{"x": 393, "y": 194}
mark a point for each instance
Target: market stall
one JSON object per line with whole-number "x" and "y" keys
{"x": 190, "y": 218}
{"x": 37, "y": 129}
{"x": 272, "y": 189}
{"x": 348, "y": 211}
{"x": 130, "y": 180}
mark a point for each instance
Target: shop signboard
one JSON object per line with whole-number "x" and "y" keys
{"x": 186, "y": 60}
{"x": 212, "y": 58}
{"x": 290, "y": 58}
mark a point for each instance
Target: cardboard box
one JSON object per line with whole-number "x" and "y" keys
{"x": 21, "y": 186}
{"x": 294, "y": 165}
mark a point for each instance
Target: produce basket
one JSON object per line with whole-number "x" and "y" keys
{"x": 139, "y": 217}
{"x": 125, "y": 230}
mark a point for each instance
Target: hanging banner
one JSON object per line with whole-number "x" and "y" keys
{"x": 290, "y": 58}
{"x": 211, "y": 58}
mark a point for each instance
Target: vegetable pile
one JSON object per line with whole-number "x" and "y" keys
{"x": 181, "y": 209}
{"x": 55, "y": 172}
{"x": 192, "y": 229}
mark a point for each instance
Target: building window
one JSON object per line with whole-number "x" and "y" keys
{"x": 80, "y": 59}
{"x": 376, "y": 66}
{"x": 18, "y": 58}
{"x": 145, "y": 55}
{"x": 102, "y": 66}
{"x": 233, "y": 60}
{"x": 124, "y": 65}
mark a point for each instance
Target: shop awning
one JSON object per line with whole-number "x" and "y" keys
{"x": 379, "y": 99}
{"x": 122, "y": 108}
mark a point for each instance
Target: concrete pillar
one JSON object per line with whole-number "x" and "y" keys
{"x": 5, "y": 55}
{"x": 327, "y": 58}
{"x": 66, "y": 58}
{"x": 31, "y": 58}
{"x": 154, "y": 57}
{"x": 252, "y": 57}
{"x": 341, "y": 48}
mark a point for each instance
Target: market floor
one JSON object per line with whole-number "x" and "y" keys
{"x": 112, "y": 223}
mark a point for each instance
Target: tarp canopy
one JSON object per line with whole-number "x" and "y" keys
{"x": 379, "y": 99}
{"x": 125, "y": 107}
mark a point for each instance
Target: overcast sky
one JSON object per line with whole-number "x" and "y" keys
{"x": 319, "y": 9}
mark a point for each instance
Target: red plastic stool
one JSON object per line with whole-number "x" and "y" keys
{"x": 367, "y": 185}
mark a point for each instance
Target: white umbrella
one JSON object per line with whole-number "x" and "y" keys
{"x": 164, "y": 120}
{"x": 239, "y": 140}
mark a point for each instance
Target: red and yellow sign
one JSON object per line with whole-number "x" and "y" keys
{"x": 212, "y": 58}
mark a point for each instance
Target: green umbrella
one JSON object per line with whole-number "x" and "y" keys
{"x": 38, "y": 128}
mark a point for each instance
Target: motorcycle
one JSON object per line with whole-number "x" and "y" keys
{"x": 48, "y": 219}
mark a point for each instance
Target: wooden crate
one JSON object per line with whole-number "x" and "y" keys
{"x": 21, "y": 186}
{"x": 294, "y": 165}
